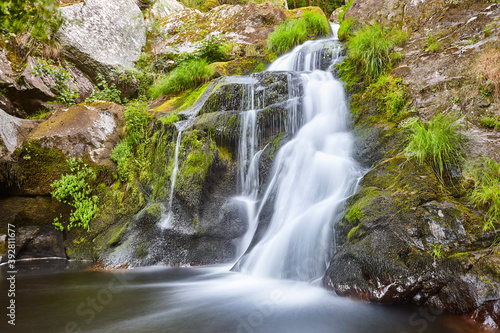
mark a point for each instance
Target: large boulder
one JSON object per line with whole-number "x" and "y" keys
{"x": 13, "y": 130}
{"x": 103, "y": 35}
{"x": 242, "y": 24}
{"x": 82, "y": 130}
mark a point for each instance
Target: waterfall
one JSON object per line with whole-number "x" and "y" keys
{"x": 312, "y": 175}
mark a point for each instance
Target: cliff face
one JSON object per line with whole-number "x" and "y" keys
{"x": 407, "y": 236}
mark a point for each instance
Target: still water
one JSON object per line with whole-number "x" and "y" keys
{"x": 195, "y": 300}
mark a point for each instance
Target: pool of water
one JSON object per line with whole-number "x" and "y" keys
{"x": 204, "y": 299}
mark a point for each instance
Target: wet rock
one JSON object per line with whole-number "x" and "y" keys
{"x": 101, "y": 36}
{"x": 488, "y": 315}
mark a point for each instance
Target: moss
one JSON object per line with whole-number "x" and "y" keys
{"x": 240, "y": 66}
{"x": 184, "y": 100}
{"x": 118, "y": 237}
{"x": 298, "y": 12}
{"x": 355, "y": 232}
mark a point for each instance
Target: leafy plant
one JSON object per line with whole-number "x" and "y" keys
{"x": 74, "y": 189}
{"x": 436, "y": 251}
{"x": 391, "y": 96}
{"x": 170, "y": 119}
{"x": 188, "y": 74}
{"x": 486, "y": 192}
{"x": 61, "y": 77}
{"x": 438, "y": 145}
{"x": 105, "y": 92}
{"x": 346, "y": 28}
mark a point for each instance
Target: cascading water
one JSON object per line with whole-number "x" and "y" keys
{"x": 312, "y": 175}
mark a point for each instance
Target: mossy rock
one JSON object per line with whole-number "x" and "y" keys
{"x": 240, "y": 66}
{"x": 298, "y": 12}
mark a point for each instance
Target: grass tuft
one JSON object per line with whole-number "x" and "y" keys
{"x": 439, "y": 145}
{"x": 188, "y": 74}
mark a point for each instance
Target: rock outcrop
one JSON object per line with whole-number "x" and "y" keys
{"x": 101, "y": 36}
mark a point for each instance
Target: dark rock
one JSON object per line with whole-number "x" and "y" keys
{"x": 488, "y": 315}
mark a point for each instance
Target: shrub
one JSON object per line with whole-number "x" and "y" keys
{"x": 440, "y": 144}
{"x": 74, "y": 189}
{"x": 371, "y": 50}
{"x": 295, "y": 31}
{"x": 490, "y": 122}
{"x": 486, "y": 193}
{"x": 39, "y": 18}
{"x": 211, "y": 49}
{"x": 188, "y": 74}
{"x": 105, "y": 92}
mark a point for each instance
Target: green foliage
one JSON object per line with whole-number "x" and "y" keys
{"x": 74, "y": 189}
{"x": 391, "y": 96}
{"x": 105, "y": 92}
{"x": 346, "y": 28}
{"x": 345, "y": 8}
{"x": 61, "y": 77}
{"x": 211, "y": 49}
{"x": 354, "y": 213}
{"x": 188, "y": 74}
{"x": 486, "y": 193}
{"x": 432, "y": 43}
{"x": 436, "y": 251}
{"x": 130, "y": 153}
{"x": 39, "y": 18}
{"x": 371, "y": 51}
{"x": 295, "y": 31}
{"x": 440, "y": 144}
{"x": 170, "y": 119}
{"x": 490, "y": 122}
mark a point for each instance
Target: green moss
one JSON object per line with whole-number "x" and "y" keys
{"x": 184, "y": 100}
{"x": 355, "y": 232}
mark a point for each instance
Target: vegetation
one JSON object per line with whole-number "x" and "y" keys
{"x": 105, "y": 92}
{"x": 346, "y": 28}
{"x": 39, "y": 18}
{"x": 170, "y": 119}
{"x": 490, "y": 122}
{"x": 188, "y": 74}
{"x": 371, "y": 53}
{"x": 391, "y": 96}
{"x": 295, "y": 31}
{"x": 130, "y": 153}
{"x": 488, "y": 65}
{"x": 439, "y": 145}
{"x": 74, "y": 189}
{"x": 61, "y": 77}
{"x": 432, "y": 43}
{"x": 486, "y": 192}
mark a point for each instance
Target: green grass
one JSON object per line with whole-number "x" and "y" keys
{"x": 170, "y": 119}
{"x": 296, "y": 31}
{"x": 188, "y": 74}
{"x": 438, "y": 144}
{"x": 486, "y": 193}
{"x": 371, "y": 50}
{"x": 432, "y": 43}
{"x": 346, "y": 28}
{"x": 490, "y": 122}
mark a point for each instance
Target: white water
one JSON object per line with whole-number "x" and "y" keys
{"x": 312, "y": 175}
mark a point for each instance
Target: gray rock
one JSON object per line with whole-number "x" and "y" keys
{"x": 102, "y": 35}
{"x": 163, "y": 8}
{"x": 12, "y": 132}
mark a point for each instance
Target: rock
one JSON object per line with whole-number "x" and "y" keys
{"x": 7, "y": 76}
{"x": 39, "y": 85}
{"x": 81, "y": 130}
{"x": 242, "y": 24}
{"x": 12, "y": 132}
{"x": 488, "y": 315}
{"x": 163, "y": 8}
{"x": 103, "y": 35}
{"x": 335, "y": 14}
{"x": 39, "y": 242}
